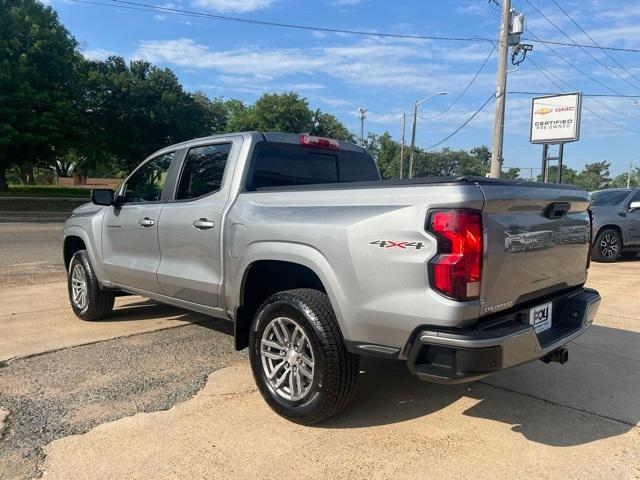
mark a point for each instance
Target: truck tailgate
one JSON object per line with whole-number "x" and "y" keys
{"x": 533, "y": 248}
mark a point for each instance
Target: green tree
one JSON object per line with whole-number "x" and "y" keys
{"x": 39, "y": 62}
{"x": 327, "y": 125}
{"x": 512, "y": 173}
{"x": 137, "y": 108}
{"x": 287, "y": 112}
{"x": 386, "y": 152}
{"x": 594, "y": 176}
{"x": 620, "y": 181}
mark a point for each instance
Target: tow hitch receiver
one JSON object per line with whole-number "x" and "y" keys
{"x": 560, "y": 355}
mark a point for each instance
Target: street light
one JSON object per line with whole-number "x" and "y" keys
{"x": 413, "y": 131}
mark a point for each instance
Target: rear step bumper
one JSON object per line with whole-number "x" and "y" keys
{"x": 446, "y": 356}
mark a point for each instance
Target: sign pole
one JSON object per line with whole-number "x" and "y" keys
{"x": 560, "y": 155}
{"x": 545, "y": 163}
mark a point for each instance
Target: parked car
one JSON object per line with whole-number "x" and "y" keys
{"x": 317, "y": 261}
{"x": 616, "y": 223}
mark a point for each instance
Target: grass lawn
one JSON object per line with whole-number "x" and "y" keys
{"x": 45, "y": 191}
{"x": 65, "y": 206}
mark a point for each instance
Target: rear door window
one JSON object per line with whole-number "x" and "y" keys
{"x": 203, "y": 171}
{"x": 282, "y": 164}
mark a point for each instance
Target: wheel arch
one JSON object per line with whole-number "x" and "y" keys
{"x": 286, "y": 266}
{"x": 75, "y": 237}
{"x": 72, "y": 244}
{"x": 611, "y": 226}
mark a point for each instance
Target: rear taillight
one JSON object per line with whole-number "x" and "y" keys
{"x": 457, "y": 268}
{"x": 319, "y": 142}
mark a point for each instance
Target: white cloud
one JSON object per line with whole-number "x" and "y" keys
{"x": 187, "y": 53}
{"x": 97, "y": 53}
{"x": 372, "y": 63}
{"x": 239, "y": 6}
{"x": 346, "y": 3}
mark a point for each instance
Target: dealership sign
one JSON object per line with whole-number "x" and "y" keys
{"x": 556, "y": 119}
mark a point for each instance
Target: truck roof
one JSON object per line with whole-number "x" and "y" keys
{"x": 276, "y": 137}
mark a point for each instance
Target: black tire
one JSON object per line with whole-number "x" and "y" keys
{"x": 335, "y": 370}
{"x": 98, "y": 303}
{"x": 607, "y": 247}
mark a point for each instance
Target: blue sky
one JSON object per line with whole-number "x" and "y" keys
{"x": 340, "y": 72}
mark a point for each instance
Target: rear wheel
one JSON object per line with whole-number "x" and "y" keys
{"x": 88, "y": 300}
{"x": 608, "y": 246}
{"x": 298, "y": 357}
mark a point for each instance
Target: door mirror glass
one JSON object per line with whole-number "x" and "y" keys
{"x": 102, "y": 196}
{"x": 634, "y": 206}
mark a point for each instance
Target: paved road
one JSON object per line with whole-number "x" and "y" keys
{"x": 30, "y": 253}
{"x": 29, "y": 243}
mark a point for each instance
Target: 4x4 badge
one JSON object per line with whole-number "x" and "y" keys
{"x": 402, "y": 245}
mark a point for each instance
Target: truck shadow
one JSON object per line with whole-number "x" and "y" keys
{"x": 144, "y": 309}
{"x": 594, "y": 396}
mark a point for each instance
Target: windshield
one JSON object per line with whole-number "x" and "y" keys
{"x": 608, "y": 198}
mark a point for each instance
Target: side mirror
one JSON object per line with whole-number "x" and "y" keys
{"x": 634, "y": 206}
{"x": 102, "y": 196}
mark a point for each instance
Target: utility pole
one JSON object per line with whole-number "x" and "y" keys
{"x": 629, "y": 175}
{"x": 404, "y": 125}
{"x": 362, "y": 112}
{"x": 413, "y": 130}
{"x": 501, "y": 88}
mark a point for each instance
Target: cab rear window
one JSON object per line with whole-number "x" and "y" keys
{"x": 283, "y": 164}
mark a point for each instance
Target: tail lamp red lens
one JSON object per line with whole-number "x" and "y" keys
{"x": 456, "y": 271}
{"x": 319, "y": 142}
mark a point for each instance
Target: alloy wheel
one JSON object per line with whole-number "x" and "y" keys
{"x": 287, "y": 359}
{"x": 79, "y": 286}
{"x": 609, "y": 246}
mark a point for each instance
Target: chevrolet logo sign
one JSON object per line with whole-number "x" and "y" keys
{"x": 543, "y": 111}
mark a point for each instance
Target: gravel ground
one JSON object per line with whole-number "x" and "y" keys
{"x": 70, "y": 391}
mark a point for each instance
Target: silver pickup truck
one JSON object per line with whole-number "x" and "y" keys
{"x": 316, "y": 261}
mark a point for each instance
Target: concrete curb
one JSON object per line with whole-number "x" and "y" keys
{"x": 67, "y": 199}
{"x": 6, "y": 217}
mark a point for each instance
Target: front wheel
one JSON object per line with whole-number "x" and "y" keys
{"x": 298, "y": 357}
{"x": 608, "y": 246}
{"x": 88, "y": 300}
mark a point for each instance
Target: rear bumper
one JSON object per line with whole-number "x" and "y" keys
{"x": 456, "y": 356}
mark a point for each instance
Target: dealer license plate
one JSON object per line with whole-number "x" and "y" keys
{"x": 540, "y": 317}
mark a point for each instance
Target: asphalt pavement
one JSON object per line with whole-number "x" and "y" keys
{"x": 27, "y": 243}
{"x": 30, "y": 253}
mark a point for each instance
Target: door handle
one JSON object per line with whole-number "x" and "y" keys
{"x": 203, "y": 224}
{"x": 146, "y": 222}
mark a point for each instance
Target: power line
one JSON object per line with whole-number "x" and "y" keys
{"x": 606, "y": 95}
{"x": 568, "y": 62}
{"x": 606, "y": 120}
{"x": 551, "y": 22}
{"x": 464, "y": 124}
{"x": 594, "y": 42}
{"x": 463, "y": 92}
{"x": 190, "y": 13}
